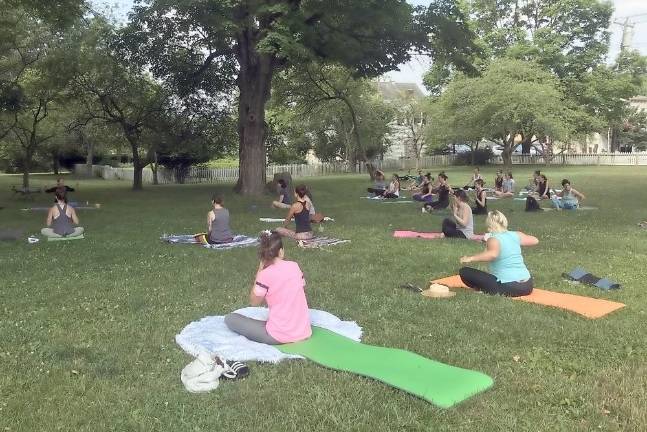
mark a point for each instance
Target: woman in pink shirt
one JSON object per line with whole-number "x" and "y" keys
{"x": 280, "y": 284}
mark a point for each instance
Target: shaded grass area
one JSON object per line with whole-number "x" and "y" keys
{"x": 87, "y": 328}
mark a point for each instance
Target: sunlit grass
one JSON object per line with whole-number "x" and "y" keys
{"x": 87, "y": 328}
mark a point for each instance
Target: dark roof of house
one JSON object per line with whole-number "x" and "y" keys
{"x": 399, "y": 91}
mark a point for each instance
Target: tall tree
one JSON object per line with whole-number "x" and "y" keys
{"x": 184, "y": 40}
{"x": 124, "y": 94}
{"x": 345, "y": 115}
{"x": 35, "y": 72}
{"x": 493, "y": 107}
{"x": 568, "y": 38}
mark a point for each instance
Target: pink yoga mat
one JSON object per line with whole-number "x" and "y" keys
{"x": 428, "y": 235}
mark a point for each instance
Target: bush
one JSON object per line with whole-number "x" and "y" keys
{"x": 479, "y": 157}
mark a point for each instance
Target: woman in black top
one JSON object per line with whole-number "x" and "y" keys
{"x": 443, "y": 190}
{"x": 300, "y": 211}
{"x": 481, "y": 198}
{"x": 543, "y": 190}
{"x": 498, "y": 181}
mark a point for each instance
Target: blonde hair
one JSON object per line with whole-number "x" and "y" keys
{"x": 496, "y": 222}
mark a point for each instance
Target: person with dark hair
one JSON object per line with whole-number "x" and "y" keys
{"x": 60, "y": 187}
{"x": 218, "y": 230}
{"x": 508, "y": 274}
{"x": 442, "y": 191}
{"x": 425, "y": 194}
{"x": 61, "y": 219}
{"x": 281, "y": 285}
{"x": 284, "y": 200}
{"x": 508, "y": 187}
{"x": 378, "y": 184}
{"x": 463, "y": 224}
{"x": 543, "y": 190}
{"x": 570, "y": 198}
{"x": 481, "y": 198}
{"x": 534, "y": 181}
{"x": 300, "y": 211}
{"x": 393, "y": 191}
{"x": 498, "y": 181}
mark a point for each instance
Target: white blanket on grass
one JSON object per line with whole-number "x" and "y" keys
{"x": 211, "y": 335}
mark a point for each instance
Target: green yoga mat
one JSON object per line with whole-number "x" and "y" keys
{"x": 438, "y": 383}
{"x": 79, "y": 237}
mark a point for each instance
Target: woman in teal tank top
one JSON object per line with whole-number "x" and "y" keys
{"x": 508, "y": 273}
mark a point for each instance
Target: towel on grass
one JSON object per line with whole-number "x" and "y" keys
{"x": 11, "y": 234}
{"x": 211, "y": 335}
{"x": 381, "y": 198}
{"x": 279, "y": 220}
{"x": 43, "y": 209}
{"x": 317, "y": 242}
{"x": 432, "y": 235}
{"x": 238, "y": 241}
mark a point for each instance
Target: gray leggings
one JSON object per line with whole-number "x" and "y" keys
{"x": 252, "y": 329}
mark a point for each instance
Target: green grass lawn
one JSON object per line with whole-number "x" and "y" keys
{"x": 87, "y": 328}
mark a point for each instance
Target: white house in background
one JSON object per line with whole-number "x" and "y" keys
{"x": 639, "y": 102}
{"x": 400, "y": 95}
{"x": 600, "y": 143}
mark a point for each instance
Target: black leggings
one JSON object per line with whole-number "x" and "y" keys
{"x": 450, "y": 229}
{"x": 487, "y": 283}
{"x": 375, "y": 191}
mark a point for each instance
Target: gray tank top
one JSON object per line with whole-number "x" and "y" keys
{"x": 468, "y": 230}
{"x": 62, "y": 225}
{"x": 220, "y": 231}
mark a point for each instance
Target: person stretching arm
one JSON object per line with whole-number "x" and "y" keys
{"x": 508, "y": 274}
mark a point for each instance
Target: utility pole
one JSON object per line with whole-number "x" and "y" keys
{"x": 628, "y": 27}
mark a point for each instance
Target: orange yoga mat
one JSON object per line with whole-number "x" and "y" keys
{"x": 589, "y": 307}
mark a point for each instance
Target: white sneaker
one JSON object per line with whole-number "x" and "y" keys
{"x": 424, "y": 210}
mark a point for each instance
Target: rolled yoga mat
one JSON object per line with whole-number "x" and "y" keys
{"x": 436, "y": 382}
{"x": 578, "y": 274}
{"x": 586, "y": 306}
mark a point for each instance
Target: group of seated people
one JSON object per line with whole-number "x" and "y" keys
{"x": 280, "y": 283}
{"x": 300, "y": 208}
{"x": 379, "y": 189}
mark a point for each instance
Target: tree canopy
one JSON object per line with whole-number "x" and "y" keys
{"x": 494, "y": 107}
{"x": 211, "y": 43}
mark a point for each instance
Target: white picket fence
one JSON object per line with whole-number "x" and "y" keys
{"x": 612, "y": 159}
{"x": 230, "y": 175}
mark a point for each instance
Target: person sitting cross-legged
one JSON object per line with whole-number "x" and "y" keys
{"x": 508, "y": 274}
{"x": 284, "y": 200}
{"x": 463, "y": 224}
{"x": 300, "y": 211}
{"x": 279, "y": 283}
{"x": 569, "y": 198}
{"x": 61, "y": 219}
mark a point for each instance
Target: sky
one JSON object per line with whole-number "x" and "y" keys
{"x": 416, "y": 68}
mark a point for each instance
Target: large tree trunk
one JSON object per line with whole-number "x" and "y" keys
{"x": 154, "y": 169}
{"x": 89, "y": 156}
{"x": 254, "y": 82}
{"x": 138, "y": 164}
{"x": 138, "y": 169}
{"x": 526, "y": 145}
{"x": 26, "y": 164}
{"x": 55, "y": 163}
{"x": 507, "y": 156}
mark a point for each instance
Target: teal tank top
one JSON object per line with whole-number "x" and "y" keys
{"x": 509, "y": 265}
